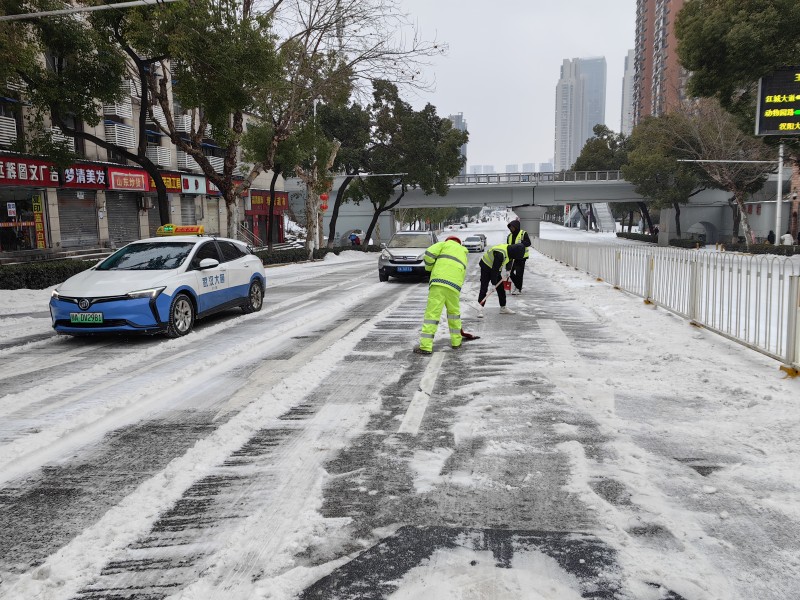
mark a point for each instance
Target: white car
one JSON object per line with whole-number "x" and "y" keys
{"x": 474, "y": 243}
{"x": 160, "y": 285}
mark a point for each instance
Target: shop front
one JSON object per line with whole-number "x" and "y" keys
{"x": 124, "y": 199}
{"x": 172, "y": 181}
{"x": 78, "y": 212}
{"x": 257, "y": 215}
{"x": 23, "y": 192}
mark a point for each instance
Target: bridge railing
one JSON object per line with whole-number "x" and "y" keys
{"x": 751, "y": 299}
{"x": 559, "y": 176}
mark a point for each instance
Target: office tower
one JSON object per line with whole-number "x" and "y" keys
{"x": 659, "y": 80}
{"x": 528, "y": 167}
{"x": 626, "y": 118}
{"x": 461, "y": 124}
{"x": 546, "y": 167}
{"x": 580, "y": 105}
{"x": 512, "y": 169}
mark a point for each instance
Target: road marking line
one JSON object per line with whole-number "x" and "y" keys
{"x": 419, "y": 403}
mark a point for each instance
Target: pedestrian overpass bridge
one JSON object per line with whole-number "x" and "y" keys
{"x": 520, "y": 189}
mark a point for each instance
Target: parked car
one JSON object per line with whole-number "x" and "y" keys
{"x": 403, "y": 255}
{"x": 474, "y": 243}
{"x": 160, "y": 285}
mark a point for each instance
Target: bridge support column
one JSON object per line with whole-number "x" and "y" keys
{"x": 530, "y": 217}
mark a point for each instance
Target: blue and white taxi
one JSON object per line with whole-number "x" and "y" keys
{"x": 160, "y": 285}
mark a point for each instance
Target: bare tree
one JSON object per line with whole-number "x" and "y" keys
{"x": 729, "y": 159}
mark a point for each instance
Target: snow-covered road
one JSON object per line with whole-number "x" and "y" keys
{"x": 588, "y": 446}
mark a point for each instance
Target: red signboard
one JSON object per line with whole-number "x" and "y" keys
{"x": 85, "y": 177}
{"x": 171, "y": 180}
{"x": 27, "y": 171}
{"x": 128, "y": 179}
{"x": 259, "y": 202}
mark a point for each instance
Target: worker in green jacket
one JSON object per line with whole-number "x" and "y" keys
{"x": 447, "y": 263}
{"x": 492, "y": 263}
{"x": 518, "y": 235}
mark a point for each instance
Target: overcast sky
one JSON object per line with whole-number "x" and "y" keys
{"x": 504, "y": 62}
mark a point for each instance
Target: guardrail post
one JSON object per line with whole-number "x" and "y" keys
{"x": 693, "y": 289}
{"x": 792, "y": 354}
{"x": 648, "y": 278}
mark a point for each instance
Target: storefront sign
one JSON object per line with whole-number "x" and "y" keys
{"x": 193, "y": 184}
{"x": 27, "y": 171}
{"x": 11, "y": 209}
{"x": 259, "y": 201}
{"x": 171, "y": 180}
{"x": 778, "y": 111}
{"x": 38, "y": 219}
{"x": 213, "y": 190}
{"x": 128, "y": 179}
{"x": 85, "y": 177}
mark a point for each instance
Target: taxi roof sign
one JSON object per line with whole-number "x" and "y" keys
{"x": 170, "y": 229}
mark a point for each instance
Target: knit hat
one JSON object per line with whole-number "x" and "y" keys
{"x": 454, "y": 238}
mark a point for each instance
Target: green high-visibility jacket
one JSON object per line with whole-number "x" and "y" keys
{"x": 488, "y": 258}
{"x": 517, "y": 239}
{"x": 447, "y": 263}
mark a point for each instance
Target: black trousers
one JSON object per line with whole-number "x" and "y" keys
{"x": 518, "y": 272}
{"x": 488, "y": 275}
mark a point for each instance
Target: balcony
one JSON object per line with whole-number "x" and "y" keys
{"x": 119, "y": 109}
{"x": 132, "y": 88}
{"x": 8, "y": 131}
{"x": 183, "y": 123}
{"x": 160, "y": 156}
{"x": 187, "y": 162}
{"x": 158, "y": 116}
{"x": 59, "y": 137}
{"x": 121, "y": 135}
{"x": 217, "y": 163}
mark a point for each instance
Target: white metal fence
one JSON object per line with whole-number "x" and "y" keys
{"x": 751, "y": 299}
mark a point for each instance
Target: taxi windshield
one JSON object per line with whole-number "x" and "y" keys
{"x": 151, "y": 256}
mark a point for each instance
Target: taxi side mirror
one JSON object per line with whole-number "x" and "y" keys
{"x": 208, "y": 263}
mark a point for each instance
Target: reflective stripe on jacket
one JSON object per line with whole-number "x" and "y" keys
{"x": 517, "y": 239}
{"x": 447, "y": 263}
{"x": 488, "y": 258}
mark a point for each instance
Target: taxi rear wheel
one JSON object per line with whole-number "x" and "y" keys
{"x": 181, "y": 316}
{"x": 255, "y": 299}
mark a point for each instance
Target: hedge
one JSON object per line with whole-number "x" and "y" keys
{"x": 688, "y": 243}
{"x": 763, "y": 249}
{"x": 39, "y": 275}
{"x": 642, "y": 237}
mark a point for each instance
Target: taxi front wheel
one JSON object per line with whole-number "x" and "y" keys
{"x": 255, "y": 299}
{"x": 181, "y": 316}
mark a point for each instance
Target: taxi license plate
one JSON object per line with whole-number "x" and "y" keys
{"x": 404, "y": 269}
{"x": 85, "y": 317}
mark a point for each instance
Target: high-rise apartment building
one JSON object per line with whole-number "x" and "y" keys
{"x": 461, "y": 124}
{"x": 659, "y": 81}
{"x": 628, "y": 76}
{"x": 528, "y": 167}
{"x": 512, "y": 169}
{"x": 580, "y": 105}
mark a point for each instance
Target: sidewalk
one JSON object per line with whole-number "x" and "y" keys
{"x": 591, "y": 412}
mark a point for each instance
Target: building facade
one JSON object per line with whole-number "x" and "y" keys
{"x": 102, "y": 200}
{"x": 659, "y": 80}
{"x": 460, "y": 123}
{"x": 580, "y": 105}
{"x": 628, "y": 78}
